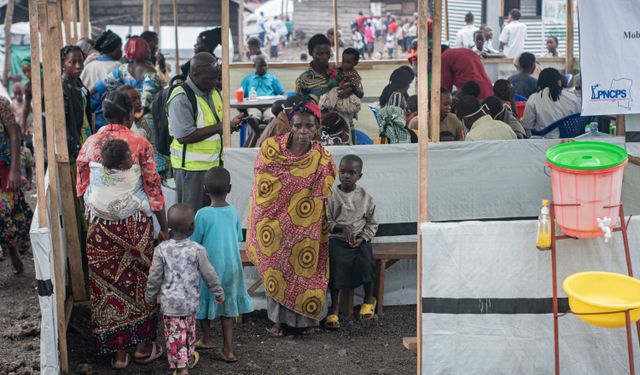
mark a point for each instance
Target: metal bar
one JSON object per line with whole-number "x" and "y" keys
{"x": 632, "y": 367}
{"x": 554, "y": 280}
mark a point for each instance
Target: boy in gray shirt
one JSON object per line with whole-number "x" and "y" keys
{"x": 175, "y": 274}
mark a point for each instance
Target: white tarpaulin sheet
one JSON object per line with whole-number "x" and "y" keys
{"x": 467, "y": 180}
{"x": 611, "y": 38}
{"x": 486, "y": 293}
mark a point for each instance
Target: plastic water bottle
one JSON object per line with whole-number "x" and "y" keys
{"x": 253, "y": 95}
{"x": 543, "y": 240}
{"x": 594, "y": 128}
{"x": 587, "y": 129}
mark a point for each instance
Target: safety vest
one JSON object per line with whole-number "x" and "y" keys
{"x": 203, "y": 155}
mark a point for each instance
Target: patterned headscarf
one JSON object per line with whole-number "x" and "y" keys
{"x": 136, "y": 49}
{"x": 305, "y": 107}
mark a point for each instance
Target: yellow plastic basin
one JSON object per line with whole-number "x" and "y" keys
{"x": 601, "y": 292}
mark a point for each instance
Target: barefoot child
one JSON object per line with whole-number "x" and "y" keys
{"x": 218, "y": 230}
{"x": 175, "y": 273}
{"x": 352, "y": 225}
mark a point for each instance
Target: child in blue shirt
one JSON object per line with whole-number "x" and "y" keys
{"x": 218, "y": 230}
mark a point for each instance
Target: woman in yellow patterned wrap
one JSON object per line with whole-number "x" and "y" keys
{"x": 287, "y": 238}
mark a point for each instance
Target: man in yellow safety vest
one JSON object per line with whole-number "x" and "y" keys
{"x": 197, "y": 143}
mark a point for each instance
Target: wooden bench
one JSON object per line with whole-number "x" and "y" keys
{"x": 385, "y": 255}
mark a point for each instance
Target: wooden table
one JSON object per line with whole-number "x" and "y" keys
{"x": 262, "y": 103}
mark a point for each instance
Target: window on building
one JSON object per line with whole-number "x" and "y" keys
{"x": 528, "y": 8}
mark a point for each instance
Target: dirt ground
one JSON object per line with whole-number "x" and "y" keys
{"x": 19, "y": 320}
{"x": 373, "y": 347}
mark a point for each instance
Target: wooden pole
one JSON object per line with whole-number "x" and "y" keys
{"x": 59, "y": 135}
{"x": 175, "y": 34}
{"x": 8, "y": 21}
{"x": 434, "y": 129}
{"x": 52, "y": 38}
{"x": 66, "y": 20}
{"x": 226, "y": 83}
{"x": 336, "y": 37}
{"x": 36, "y": 103}
{"x": 569, "y": 53}
{"x": 423, "y": 148}
{"x": 446, "y": 18}
{"x": 155, "y": 19}
{"x": 74, "y": 22}
{"x": 84, "y": 19}
{"x": 145, "y": 15}
{"x": 241, "y": 30}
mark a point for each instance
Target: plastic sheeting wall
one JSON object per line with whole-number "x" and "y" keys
{"x": 486, "y": 301}
{"x": 467, "y": 181}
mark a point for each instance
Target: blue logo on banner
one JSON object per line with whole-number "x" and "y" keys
{"x": 619, "y": 91}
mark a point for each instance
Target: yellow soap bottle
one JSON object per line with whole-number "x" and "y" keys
{"x": 543, "y": 241}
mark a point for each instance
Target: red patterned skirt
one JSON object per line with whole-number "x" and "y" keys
{"x": 119, "y": 256}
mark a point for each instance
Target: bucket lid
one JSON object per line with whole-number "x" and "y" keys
{"x": 586, "y": 155}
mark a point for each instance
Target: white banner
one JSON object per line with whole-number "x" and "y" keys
{"x": 554, "y": 12}
{"x": 610, "y": 40}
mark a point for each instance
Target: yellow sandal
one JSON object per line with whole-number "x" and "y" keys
{"x": 332, "y": 322}
{"x": 368, "y": 310}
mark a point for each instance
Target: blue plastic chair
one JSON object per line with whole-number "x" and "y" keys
{"x": 568, "y": 77}
{"x": 243, "y": 135}
{"x": 361, "y": 138}
{"x": 569, "y": 127}
{"x": 520, "y": 98}
{"x": 375, "y": 111}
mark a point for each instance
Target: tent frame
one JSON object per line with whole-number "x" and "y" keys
{"x": 45, "y": 18}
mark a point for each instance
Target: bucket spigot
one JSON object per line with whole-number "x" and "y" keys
{"x": 605, "y": 225}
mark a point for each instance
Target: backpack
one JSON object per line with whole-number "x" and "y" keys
{"x": 161, "y": 116}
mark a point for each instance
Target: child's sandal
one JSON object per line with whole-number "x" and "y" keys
{"x": 368, "y": 310}
{"x": 332, "y": 322}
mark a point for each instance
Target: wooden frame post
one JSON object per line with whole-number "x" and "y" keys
{"x": 52, "y": 38}
{"x": 66, "y": 21}
{"x": 568, "y": 68}
{"x": 175, "y": 34}
{"x": 155, "y": 16}
{"x": 436, "y": 51}
{"x": 36, "y": 89}
{"x": 61, "y": 161}
{"x": 336, "y": 37}
{"x": 74, "y": 22}
{"x": 145, "y": 15}
{"x": 423, "y": 149}
{"x": 226, "y": 78}
{"x": 83, "y": 7}
{"x": 446, "y": 18}
{"x": 8, "y": 21}
{"x": 241, "y": 30}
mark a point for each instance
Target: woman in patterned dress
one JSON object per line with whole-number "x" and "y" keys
{"x": 120, "y": 243}
{"x": 314, "y": 82}
{"x": 15, "y": 213}
{"x": 287, "y": 235}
